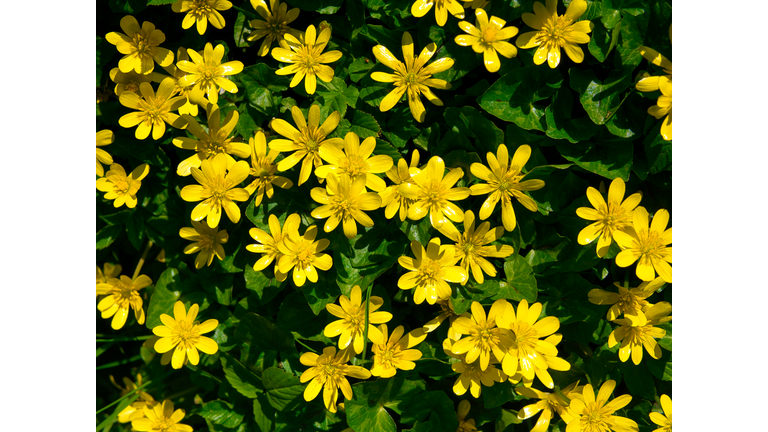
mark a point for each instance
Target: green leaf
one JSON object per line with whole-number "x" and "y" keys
{"x": 567, "y": 298}
{"x": 241, "y": 31}
{"x": 638, "y": 379}
{"x": 371, "y": 255}
{"x": 261, "y": 75}
{"x": 470, "y": 123}
{"x": 320, "y": 294}
{"x": 366, "y": 411}
{"x": 631, "y": 41}
{"x": 658, "y": 151}
{"x": 263, "y": 413}
{"x": 160, "y": 2}
{"x": 107, "y": 235}
{"x": 435, "y": 406}
{"x": 364, "y": 125}
{"x": 602, "y": 42}
{"x": 560, "y": 121}
{"x": 374, "y": 93}
{"x": 359, "y": 68}
{"x": 283, "y": 389}
{"x": 242, "y": 379}
{"x": 167, "y": 292}
{"x": 104, "y": 53}
{"x": 498, "y": 394}
{"x": 222, "y": 413}
{"x": 264, "y": 287}
{"x": 262, "y": 333}
{"x": 599, "y": 98}
{"x": 134, "y": 228}
{"x": 520, "y": 284}
{"x": 610, "y": 159}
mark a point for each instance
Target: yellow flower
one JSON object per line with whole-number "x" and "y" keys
{"x": 110, "y": 271}
{"x": 307, "y": 57}
{"x": 489, "y": 39}
{"x": 351, "y": 326}
{"x": 161, "y": 418}
{"x": 201, "y": 12}
{"x": 263, "y": 168}
{"x": 649, "y": 246}
{"x": 140, "y": 46}
{"x": 130, "y": 81}
{"x": 609, "y": 217}
{"x": 548, "y": 404}
{"x": 411, "y": 77}
{"x": 122, "y": 187}
{"x": 663, "y": 420}
{"x": 638, "y": 331}
{"x": 184, "y": 334}
{"x": 136, "y": 409}
{"x": 483, "y": 337}
{"x": 390, "y": 197}
{"x": 627, "y": 301}
{"x": 470, "y": 247}
{"x": 328, "y": 373}
{"x": 555, "y": 31}
{"x": 504, "y": 183}
{"x": 534, "y": 355}
{"x": 391, "y": 352}
{"x": 432, "y": 193}
{"x": 306, "y": 141}
{"x": 446, "y": 313}
{"x": 594, "y": 414}
{"x": 355, "y": 161}
{"x": 206, "y": 73}
{"x": 303, "y": 255}
{"x": 208, "y": 243}
{"x": 210, "y": 142}
{"x": 275, "y": 25}
{"x": 430, "y": 271}
{"x": 154, "y": 110}
{"x": 103, "y": 138}
{"x": 189, "y": 107}
{"x": 461, "y": 414}
{"x": 268, "y": 244}
{"x": 663, "y": 83}
{"x": 345, "y": 201}
{"x": 471, "y": 376}
{"x": 217, "y": 190}
{"x": 123, "y": 296}
{"x": 421, "y": 7}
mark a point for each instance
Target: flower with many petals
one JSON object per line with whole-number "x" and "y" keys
{"x": 412, "y": 77}
{"x": 548, "y": 404}
{"x": 161, "y": 418}
{"x": 555, "y": 31}
{"x": 153, "y": 110}
{"x": 489, "y": 38}
{"x": 391, "y": 199}
{"x": 103, "y": 138}
{"x": 182, "y": 334}
{"x": 307, "y": 57}
{"x": 201, "y": 12}
{"x": 430, "y": 271}
{"x": 303, "y": 254}
{"x": 663, "y": 420}
{"x": 461, "y": 414}
{"x": 628, "y": 300}
{"x": 471, "y": 376}
{"x": 442, "y": 7}
{"x": 355, "y": 160}
{"x": 189, "y": 106}
{"x": 663, "y": 107}
{"x": 275, "y": 24}
{"x": 141, "y": 46}
{"x": 609, "y": 217}
{"x": 206, "y": 73}
{"x": 504, "y": 183}
{"x": 351, "y": 326}
{"x": 124, "y": 296}
{"x": 471, "y": 247}
{"x": 130, "y": 81}
{"x": 637, "y": 331}
{"x": 328, "y": 372}
{"x": 217, "y": 190}
{"x": 391, "y": 352}
{"x": 122, "y": 187}
{"x": 263, "y": 168}
{"x": 595, "y": 414}
{"x": 345, "y": 201}
{"x": 482, "y": 335}
{"x": 208, "y": 243}
{"x": 268, "y": 244}
{"x": 647, "y": 246}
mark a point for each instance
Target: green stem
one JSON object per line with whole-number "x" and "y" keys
{"x": 146, "y": 383}
{"x": 141, "y": 261}
{"x": 245, "y": 12}
{"x": 365, "y": 329}
{"x": 125, "y": 339}
{"x": 175, "y": 396}
{"x": 305, "y": 346}
{"x": 435, "y": 359}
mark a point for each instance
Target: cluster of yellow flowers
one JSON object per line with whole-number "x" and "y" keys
{"x": 147, "y": 414}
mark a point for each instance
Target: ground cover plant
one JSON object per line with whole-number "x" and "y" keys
{"x": 289, "y": 238}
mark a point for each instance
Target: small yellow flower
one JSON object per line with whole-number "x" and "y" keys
{"x": 555, "y": 31}
{"x": 609, "y": 217}
{"x": 122, "y": 187}
{"x": 483, "y": 337}
{"x": 303, "y": 255}
{"x": 471, "y": 376}
{"x": 595, "y": 414}
{"x": 208, "y": 243}
{"x": 627, "y": 301}
{"x": 189, "y": 107}
{"x": 275, "y": 25}
{"x": 412, "y": 77}
{"x": 161, "y": 418}
{"x": 548, "y": 404}
{"x": 130, "y": 81}
{"x": 136, "y": 409}
{"x": 637, "y": 331}
{"x": 390, "y": 197}
{"x": 124, "y": 296}
{"x": 649, "y": 246}
{"x": 154, "y": 110}
{"x": 217, "y": 190}
{"x": 328, "y": 372}
{"x": 183, "y": 333}
{"x": 206, "y": 73}
{"x": 490, "y": 39}
{"x": 430, "y": 271}
{"x": 355, "y": 160}
{"x": 103, "y": 138}
{"x": 433, "y": 194}
{"x": 306, "y": 141}
{"x": 201, "y": 12}
{"x": 471, "y": 247}
{"x": 442, "y": 7}
{"x": 307, "y": 57}
{"x": 140, "y": 46}
{"x": 268, "y": 244}
{"x": 351, "y": 326}
{"x": 263, "y": 168}
{"x": 211, "y": 141}
{"x": 391, "y": 352}
{"x": 504, "y": 183}
{"x": 663, "y": 83}
{"x": 345, "y": 201}
{"x": 461, "y": 414}
{"x": 663, "y": 420}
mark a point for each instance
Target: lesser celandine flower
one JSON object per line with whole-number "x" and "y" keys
{"x": 263, "y": 168}
{"x": 303, "y": 254}
{"x": 663, "y": 107}
{"x": 275, "y": 24}
{"x": 130, "y": 81}
{"x": 351, "y": 326}
{"x": 663, "y": 420}
{"x": 461, "y": 415}
{"x": 504, "y": 183}
{"x": 628, "y": 300}
{"x": 471, "y": 247}
{"x": 268, "y": 244}
{"x": 483, "y": 338}
{"x": 442, "y": 7}
{"x": 647, "y": 246}
{"x": 345, "y": 201}
{"x": 110, "y": 271}
{"x": 355, "y": 160}
{"x": 307, "y": 57}
{"x": 391, "y": 199}
{"x": 411, "y": 77}
{"x": 153, "y": 110}
{"x": 471, "y": 376}
{"x": 488, "y": 38}
{"x": 182, "y": 334}
{"x": 120, "y": 186}
{"x": 124, "y": 296}
{"x": 609, "y": 217}
{"x": 208, "y": 242}
{"x": 548, "y": 404}
{"x": 136, "y": 409}
{"x": 555, "y": 31}
{"x": 217, "y": 190}
{"x": 328, "y": 372}
{"x": 161, "y": 418}
{"x": 103, "y": 138}
{"x": 637, "y": 331}
{"x": 201, "y": 12}
{"x": 206, "y": 73}
{"x": 140, "y": 46}
{"x": 390, "y": 352}
{"x": 306, "y": 141}
{"x": 595, "y": 414}
{"x": 189, "y": 106}
{"x": 430, "y": 271}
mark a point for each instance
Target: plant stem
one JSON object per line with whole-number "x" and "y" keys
{"x": 245, "y": 12}
{"x": 125, "y": 339}
{"x": 141, "y": 261}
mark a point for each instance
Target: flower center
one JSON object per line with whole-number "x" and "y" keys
{"x": 354, "y": 165}
{"x": 201, "y": 8}
{"x": 141, "y": 43}
{"x": 652, "y": 246}
{"x": 206, "y": 241}
{"x": 410, "y": 79}
{"x": 312, "y": 146}
{"x": 132, "y": 86}
{"x": 431, "y": 272}
{"x": 489, "y": 34}
{"x": 525, "y": 336}
{"x": 122, "y": 186}
{"x": 124, "y": 294}
{"x": 305, "y": 253}
{"x": 434, "y": 193}
{"x": 554, "y": 28}
{"x": 186, "y": 333}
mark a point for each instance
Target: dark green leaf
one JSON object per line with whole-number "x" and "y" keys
{"x": 107, "y": 235}
{"x": 283, "y": 389}
{"x": 658, "y": 151}
{"x": 434, "y": 406}
{"x": 359, "y": 68}
{"x": 471, "y": 123}
{"x": 560, "y": 121}
{"x": 631, "y": 40}
{"x": 160, "y": 2}
{"x": 610, "y": 159}
{"x": 638, "y": 379}
{"x": 167, "y": 292}
{"x": 222, "y": 413}
{"x": 320, "y": 294}
{"x": 520, "y": 284}
{"x": 243, "y": 380}
{"x": 599, "y": 98}
{"x": 265, "y": 288}
{"x": 264, "y": 414}
{"x": 134, "y": 228}
{"x": 498, "y": 394}
{"x": 241, "y": 31}
{"x": 364, "y": 125}
{"x": 262, "y": 333}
